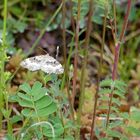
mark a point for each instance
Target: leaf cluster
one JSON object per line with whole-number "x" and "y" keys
{"x": 117, "y": 88}
{"x": 35, "y": 100}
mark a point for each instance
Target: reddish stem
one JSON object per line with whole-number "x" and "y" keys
{"x": 116, "y": 59}
{"x": 125, "y": 20}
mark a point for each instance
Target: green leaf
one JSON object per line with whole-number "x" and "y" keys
{"x": 28, "y": 113}
{"x": 104, "y": 98}
{"x": 6, "y": 113}
{"x": 36, "y": 88}
{"x": 25, "y": 103}
{"x": 39, "y": 94}
{"x": 47, "y": 78}
{"x": 58, "y": 129}
{"x": 116, "y": 101}
{"x": 43, "y": 102}
{"x": 120, "y": 83}
{"x": 20, "y": 26}
{"x": 115, "y": 124}
{"x": 40, "y": 113}
{"x": 13, "y": 98}
{"x": 134, "y": 130}
{"x": 24, "y": 96}
{"x": 124, "y": 138}
{"x": 105, "y": 91}
{"x": 135, "y": 115}
{"x": 15, "y": 10}
{"x": 124, "y": 115}
{"x": 114, "y": 133}
{"x": 119, "y": 93}
{"x": 48, "y": 110}
{"x": 25, "y": 87}
{"x": 16, "y": 118}
{"x": 10, "y": 137}
{"x": 121, "y": 89}
{"x": 106, "y": 108}
{"x": 106, "y": 82}
{"x": 103, "y": 107}
{"x": 36, "y": 101}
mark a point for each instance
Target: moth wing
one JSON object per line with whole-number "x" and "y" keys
{"x": 30, "y": 64}
{"x": 45, "y": 63}
{"x": 52, "y": 68}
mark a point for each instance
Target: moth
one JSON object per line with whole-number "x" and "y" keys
{"x": 46, "y": 63}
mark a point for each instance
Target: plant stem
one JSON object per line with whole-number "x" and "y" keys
{"x": 76, "y": 52}
{"x": 99, "y": 74}
{"x": 64, "y": 34}
{"x": 68, "y": 83}
{"x": 65, "y": 77}
{"x": 4, "y": 24}
{"x": 116, "y": 57}
{"x": 66, "y": 61}
{"x": 114, "y": 13}
{"x": 113, "y": 23}
{"x": 5, "y": 94}
{"x": 72, "y": 19}
{"x": 109, "y": 109}
{"x": 114, "y": 73}
{"x": 2, "y": 60}
{"x": 83, "y": 77}
{"x": 71, "y": 47}
{"x": 125, "y": 20}
{"x": 64, "y": 45}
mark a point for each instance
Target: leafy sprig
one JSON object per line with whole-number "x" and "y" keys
{"x": 35, "y": 100}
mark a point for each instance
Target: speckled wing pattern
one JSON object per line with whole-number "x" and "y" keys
{"x": 45, "y": 63}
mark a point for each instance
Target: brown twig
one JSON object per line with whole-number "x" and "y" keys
{"x": 76, "y": 51}
{"x": 72, "y": 19}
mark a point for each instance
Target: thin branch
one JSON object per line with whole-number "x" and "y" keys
{"x": 83, "y": 75}
{"x": 64, "y": 33}
{"x": 125, "y": 20}
{"x": 65, "y": 59}
{"x": 114, "y": 13}
{"x": 99, "y": 73}
{"x": 76, "y": 51}
{"x": 72, "y": 19}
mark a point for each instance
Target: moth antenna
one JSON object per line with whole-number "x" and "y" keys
{"x": 57, "y": 52}
{"x": 43, "y": 50}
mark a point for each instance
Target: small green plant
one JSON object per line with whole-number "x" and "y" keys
{"x": 38, "y": 105}
{"x": 133, "y": 125}
{"x": 113, "y": 116}
{"x": 36, "y": 100}
{"x": 5, "y": 111}
{"x": 31, "y": 99}
{"x": 42, "y": 111}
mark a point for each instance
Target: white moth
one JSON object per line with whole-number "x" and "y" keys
{"x": 45, "y": 63}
